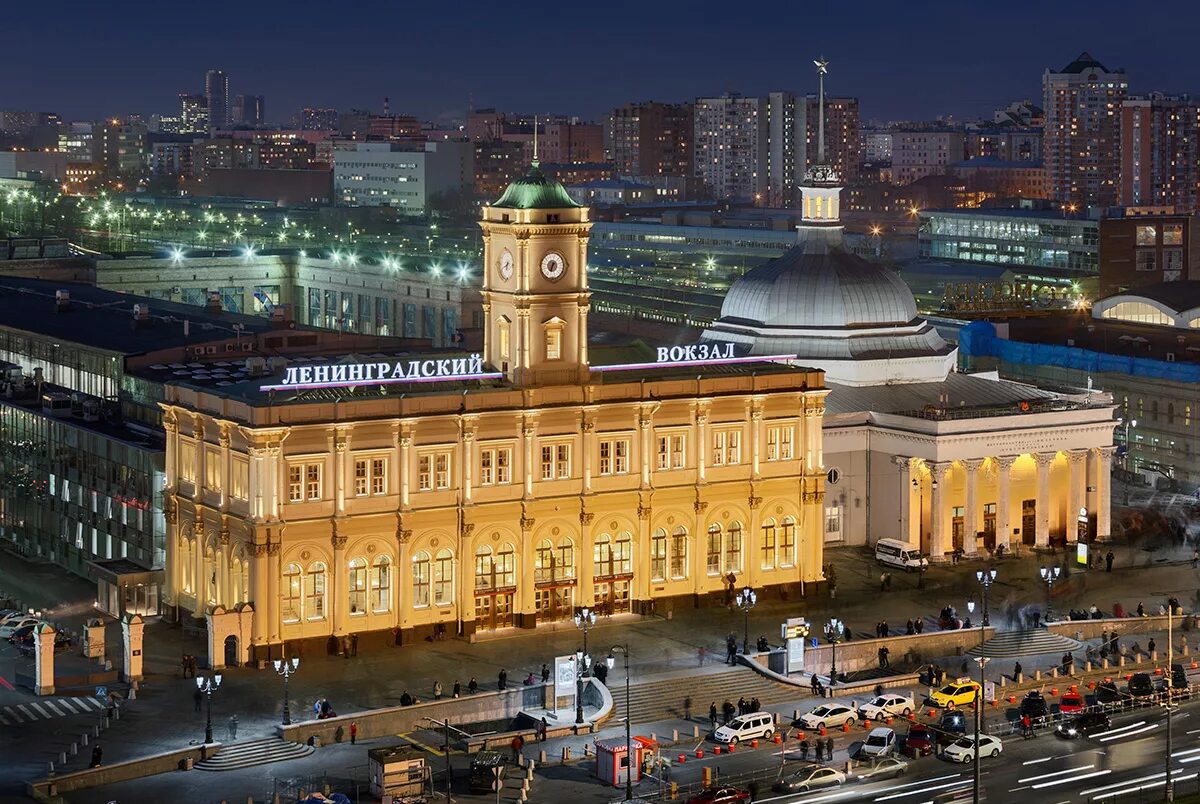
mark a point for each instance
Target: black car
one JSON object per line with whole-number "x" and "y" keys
{"x": 1034, "y": 705}
{"x": 1141, "y": 685}
{"x": 951, "y": 726}
{"x": 1107, "y": 692}
{"x": 1083, "y": 725}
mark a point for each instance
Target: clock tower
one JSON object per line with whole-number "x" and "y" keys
{"x": 535, "y": 287}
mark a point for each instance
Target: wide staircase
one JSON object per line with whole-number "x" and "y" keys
{"x": 255, "y": 752}
{"x": 662, "y": 698}
{"x": 1026, "y": 642}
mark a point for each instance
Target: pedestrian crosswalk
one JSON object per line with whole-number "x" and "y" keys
{"x": 46, "y": 708}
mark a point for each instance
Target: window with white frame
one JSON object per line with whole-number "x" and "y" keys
{"x": 787, "y": 542}
{"x": 671, "y": 451}
{"x": 239, "y": 479}
{"x": 212, "y": 469}
{"x": 733, "y": 548}
{"x": 370, "y": 476}
{"x": 780, "y": 443}
{"x": 833, "y": 523}
{"x": 443, "y": 577}
{"x": 304, "y": 481}
{"x": 495, "y": 466}
{"x": 658, "y": 555}
{"x": 727, "y": 447}
{"x": 433, "y": 471}
{"x": 767, "y": 545}
{"x": 290, "y": 604}
{"x": 554, "y": 336}
{"x": 187, "y": 460}
{"x": 314, "y": 591}
{"x": 357, "y": 586}
{"x": 614, "y": 456}
{"x": 381, "y": 584}
{"x": 420, "y": 580}
{"x": 556, "y": 461}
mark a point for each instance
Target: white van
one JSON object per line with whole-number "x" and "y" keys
{"x": 896, "y": 553}
{"x": 746, "y": 727}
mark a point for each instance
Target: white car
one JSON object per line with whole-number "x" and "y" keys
{"x": 746, "y": 727}
{"x": 963, "y": 749}
{"x": 827, "y": 715}
{"x": 898, "y": 704}
{"x": 15, "y": 624}
{"x": 881, "y": 742}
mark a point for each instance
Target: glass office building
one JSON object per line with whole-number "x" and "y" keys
{"x": 1017, "y": 237}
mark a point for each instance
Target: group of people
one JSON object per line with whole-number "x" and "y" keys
{"x": 948, "y": 619}
{"x": 823, "y": 747}
{"x": 188, "y": 663}
{"x": 729, "y": 710}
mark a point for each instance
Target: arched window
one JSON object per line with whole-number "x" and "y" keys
{"x": 188, "y": 557}
{"x": 506, "y": 566}
{"x": 565, "y": 554}
{"x": 767, "y": 544}
{"x": 504, "y": 335}
{"x": 544, "y": 562}
{"x": 210, "y": 569}
{"x": 679, "y": 552}
{"x": 420, "y": 580}
{"x": 314, "y": 591}
{"x": 623, "y": 553}
{"x": 484, "y": 568}
{"x": 443, "y": 577}
{"x": 291, "y": 594}
{"x": 357, "y": 586}
{"x": 658, "y": 555}
{"x": 381, "y": 584}
{"x": 239, "y": 581}
{"x": 787, "y": 542}
{"x": 712, "y": 558}
{"x": 602, "y": 556}
{"x": 733, "y": 548}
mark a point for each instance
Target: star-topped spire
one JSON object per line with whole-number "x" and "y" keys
{"x": 822, "y": 65}
{"x": 535, "y": 150}
{"x": 820, "y": 191}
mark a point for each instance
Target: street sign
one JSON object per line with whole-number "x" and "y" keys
{"x": 101, "y": 692}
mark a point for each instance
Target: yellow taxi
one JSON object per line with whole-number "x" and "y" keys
{"x": 956, "y": 693}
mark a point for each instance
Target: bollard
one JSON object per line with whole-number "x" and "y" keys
{"x": 778, "y": 738}
{"x": 1154, "y": 655}
{"x": 754, "y": 743}
{"x": 1037, "y": 675}
{"x": 1054, "y": 672}
{"x": 566, "y": 754}
{"x": 717, "y": 751}
{"x": 699, "y": 753}
{"x": 653, "y": 737}
{"x": 116, "y": 713}
{"x": 682, "y": 759}
{"x": 795, "y": 714}
{"x": 1087, "y": 666}
{"x": 105, "y": 723}
{"x": 62, "y": 757}
{"x": 50, "y": 768}
{"x": 74, "y": 749}
{"x": 587, "y": 750}
{"x": 1003, "y": 682}
{"x": 1054, "y": 691}
{"x": 696, "y": 731}
{"x": 529, "y": 772}
{"x": 867, "y": 723}
{"x": 846, "y": 726}
{"x": 83, "y": 739}
{"x": 732, "y": 748}
{"x": 96, "y": 729}
{"x": 1104, "y": 663}
{"x": 542, "y": 757}
{"x": 674, "y": 735}
{"x": 1020, "y": 678}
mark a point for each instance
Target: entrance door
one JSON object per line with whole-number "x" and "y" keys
{"x": 494, "y": 611}
{"x": 957, "y": 527}
{"x": 612, "y": 595}
{"x": 231, "y": 651}
{"x": 989, "y": 526}
{"x": 555, "y": 602}
{"x": 1029, "y": 521}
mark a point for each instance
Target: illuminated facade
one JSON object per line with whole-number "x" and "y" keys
{"x": 466, "y": 494}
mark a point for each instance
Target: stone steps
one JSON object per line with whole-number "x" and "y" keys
{"x": 1028, "y": 642}
{"x": 663, "y": 699}
{"x": 254, "y": 752}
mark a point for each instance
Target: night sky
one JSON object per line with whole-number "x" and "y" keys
{"x": 904, "y": 60}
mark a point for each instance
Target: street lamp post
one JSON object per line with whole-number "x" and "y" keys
{"x": 1049, "y": 575}
{"x": 207, "y": 686}
{"x": 745, "y": 601}
{"x": 1125, "y": 459}
{"x": 585, "y": 618}
{"x": 834, "y": 630}
{"x": 285, "y": 668}
{"x": 985, "y": 578}
{"x": 612, "y": 660}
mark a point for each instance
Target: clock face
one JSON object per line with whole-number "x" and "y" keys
{"x": 506, "y": 265}
{"x": 553, "y": 265}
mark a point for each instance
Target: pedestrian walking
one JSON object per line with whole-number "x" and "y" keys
{"x": 1017, "y": 673}
{"x": 884, "y": 627}
{"x": 829, "y": 748}
{"x": 919, "y": 624}
{"x": 883, "y": 658}
{"x": 701, "y": 654}
{"x": 502, "y": 680}
{"x": 1151, "y": 645}
{"x": 97, "y": 755}
{"x": 542, "y": 727}
{"x": 545, "y": 672}
{"x": 727, "y": 710}
{"x": 687, "y": 708}
{"x": 456, "y": 691}
{"x": 354, "y": 644}
{"x": 197, "y": 698}
{"x": 472, "y": 686}
{"x": 1108, "y": 561}
{"x": 183, "y": 665}
{"x": 882, "y": 581}
{"x": 437, "y": 690}
{"x": 353, "y": 732}
{"x": 804, "y": 746}
{"x": 820, "y": 750}
{"x": 712, "y": 715}
{"x": 517, "y": 744}
{"x": 233, "y": 724}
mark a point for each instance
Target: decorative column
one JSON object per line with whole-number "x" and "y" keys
{"x": 756, "y": 417}
{"x": 463, "y": 558}
{"x": 337, "y": 581}
{"x": 910, "y": 500}
{"x": 971, "y": 509}
{"x": 43, "y": 651}
{"x": 405, "y": 467}
{"x": 171, "y": 466}
{"x": 587, "y": 590}
{"x": 523, "y": 336}
{"x": 1077, "y": 463}
{"x": 1103, "y": 492}
{"x": 258, "y": 594}
{"x": 645, "y": 423}
{"x": 224, "y": 440}
{"x": 587, "y": 438}
{"x": 529, "y": 431}
{"x": 171, "y": 572}
{"x": 1043, "y": 460}
{"x": 201, "y": 459}
{"x": 698, "y": 545}
{"x": 201, "y": 579}
{"x": 526, "y": 609}
{"x": 937, "y": 510}
{"x": 1004, "y": 465}
{"x": 276, "y": 482}
{"x": 752, "y": 543}
{"x": 258, "y": 483}
{"x": 340, "y": 443}
{"x": 131, "y": 629}
{"x": 812, "y": 424}
{"x": 467, "y": 458}
{"x": 701, "y": 443}
{"x": 274, "y": 574}
{"x": 641, "y": 566}
{"x": 225, "y": 592}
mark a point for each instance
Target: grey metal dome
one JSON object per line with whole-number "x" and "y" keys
{"x": 818, "y": 284}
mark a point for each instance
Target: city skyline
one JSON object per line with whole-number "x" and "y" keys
{"x": 398, "y": 54}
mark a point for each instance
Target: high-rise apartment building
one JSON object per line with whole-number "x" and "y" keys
{"x": 318, "y": 119}
{"x": 571, "y": 143}
{"x": 119, "y": 147}
{"x": 1160, "y": 146}
{"x": 249, "y": 110}
{"x": 842, "y": 149}
{"x": 1082, "y": 103}
{"x": 925, "y": 152}
{"x": 730, "y": 146}
{"x": 193, "y": 113}
{"x": 651, "y": 139}
{"x": 216, "y": 92}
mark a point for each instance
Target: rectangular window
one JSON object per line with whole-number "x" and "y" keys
{"x": 1146, "y": 259}
{"x": 554, "y": 343}
{"x": 779, "y": 443}
{"x": 421, "y": 581}
{"x": 614, "y": 457}
{"x": 362, "y": 478}
{"x": 833, "y": 522}
{"x": 679, "y": 551}
{"x": 768, "y": 546}
{"x": 658, "y": 556}
{"x": 727, "y": 447}
{"x": 370, "y": 477}
{"x": 1147, "y": 236}
{"x": 296, "y": 483}
{"x": 733, "y": 552}
{"x": 494, "y": 466}
{"x": 312, "y": 481}
{"x": 443, "y": 578}
{"x": 1172, "y": 234}
{"x": 239, "y": 482}
{"x": 187, "y": 460}
{"x": 441, "y": 470}
{"x": 433, "y": 471}
{"x": 425, "y": 472}
{"x": 787, "y": 544}
{"x": 712, "y": 559}
{"x": 212, "y": 469}
{"x": 378, "y": 476}
{"x": 556, "y": 461}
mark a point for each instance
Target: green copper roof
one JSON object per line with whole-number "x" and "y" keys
{"x": 535, "y": 191}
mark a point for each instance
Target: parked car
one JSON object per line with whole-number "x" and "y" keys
{"x": 746, "y": 727}
{"x": 898, "y": 704}
{"x": 810, "y": 777}
{"x": 952, "y": 724}
{"x": 963, "y": 749}
{"x": 1034, "y": 705}
{"x": 919, "y": 742}
{"x": 27, "y": 645}
{"x": 8, "y": 614}
{"x": 1070, "y": 703}
{"x": 881, "y": 742}
{"x": 1179, "y": 682}
{"x": 827, "y": 715}
{"x": 1084, "y": 724}
{"x": 881, "y": 768}
{"x": 15, "y": 623}
{"x": 1107, "y": 692}
{"x": 22, "y": 632}
{"x": 956, "y": 693}
{"x": 1140, "y": 685}
{"x": 720, "y": 795}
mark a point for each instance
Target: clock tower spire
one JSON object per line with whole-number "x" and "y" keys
{"x": 535, "y": 285}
